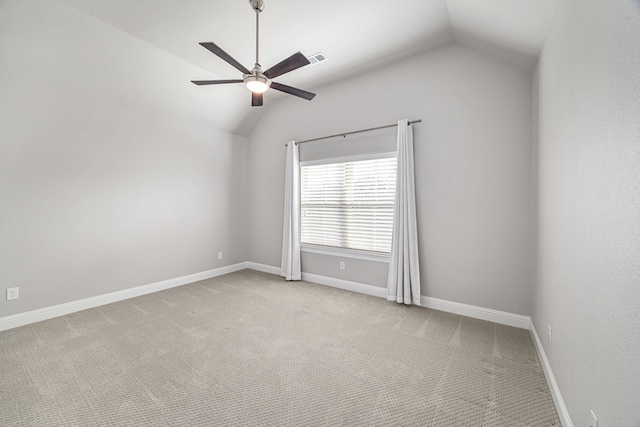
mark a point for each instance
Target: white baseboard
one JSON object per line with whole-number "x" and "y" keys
{"x": 33, "y": 316}
{"x": 264, "y": 268}
{"x": 496, "y": 316}
{"x": 21, "y": 319}
{"x": 346, "y": 285}
{"x": 501, "y": 317}
{"x": 328, "y": 281}
{"x": 563, "y": 413}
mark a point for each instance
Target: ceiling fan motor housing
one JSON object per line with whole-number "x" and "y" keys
{"x": 256, "y": 81}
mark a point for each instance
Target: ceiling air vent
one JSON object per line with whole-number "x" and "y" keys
{"x": 315, "y": 59}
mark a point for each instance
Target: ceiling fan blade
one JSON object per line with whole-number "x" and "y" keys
{"x": 256, "y": 99}
{"x": 215, "y": 82}
{"x": 293, "y": 91}
{"x": 293, "y": 62}
{"x": 225, "y": 56}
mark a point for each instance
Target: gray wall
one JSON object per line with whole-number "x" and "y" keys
{"x": 473, "y": 167}
{"x": 588, "y": 273}
{"x": 107, "y": 179}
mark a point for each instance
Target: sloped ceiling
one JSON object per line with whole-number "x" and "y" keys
{"x": 354, "y": 35}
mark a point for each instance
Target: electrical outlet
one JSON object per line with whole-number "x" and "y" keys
{"x": 594, "y": 420}
{"x": 342, "y": 265}
{"x": 12, "y": 293}
{"x": 549, "y": 337}
{"x": 219, "y": 255}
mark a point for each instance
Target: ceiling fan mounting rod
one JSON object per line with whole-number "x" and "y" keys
{"x": 257, "y": 35}
{"x": 258, "y": 6}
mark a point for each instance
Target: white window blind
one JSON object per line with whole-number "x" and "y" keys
{"x": 349, "y": 204}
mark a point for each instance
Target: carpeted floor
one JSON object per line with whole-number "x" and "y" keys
{"x": 249, "y": 349}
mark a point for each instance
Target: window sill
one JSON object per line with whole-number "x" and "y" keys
{"x": 345, "y": 253}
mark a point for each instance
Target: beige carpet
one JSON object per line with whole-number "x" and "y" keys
{"x": 249, "y": 349}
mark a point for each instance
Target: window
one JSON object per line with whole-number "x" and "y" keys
{"x": 349, "y": 204}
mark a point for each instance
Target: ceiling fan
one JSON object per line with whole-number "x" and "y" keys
{"x": 256, "y": 80}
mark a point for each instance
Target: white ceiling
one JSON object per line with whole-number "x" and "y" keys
{"x": 354, "y": 35}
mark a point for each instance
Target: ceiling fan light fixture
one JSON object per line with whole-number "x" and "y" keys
{"x": 257, "y": 84}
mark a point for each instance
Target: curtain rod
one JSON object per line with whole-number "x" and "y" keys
{"x": 344, "y": 134}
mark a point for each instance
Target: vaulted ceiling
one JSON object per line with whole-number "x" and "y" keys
{"x": 354, "y": 35}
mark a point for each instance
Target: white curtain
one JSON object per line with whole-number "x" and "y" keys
{"x": 290, "y": 268}
{"x": 404, "y": 271}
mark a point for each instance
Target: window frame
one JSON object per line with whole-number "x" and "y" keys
{"x": 361, "y": 254}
